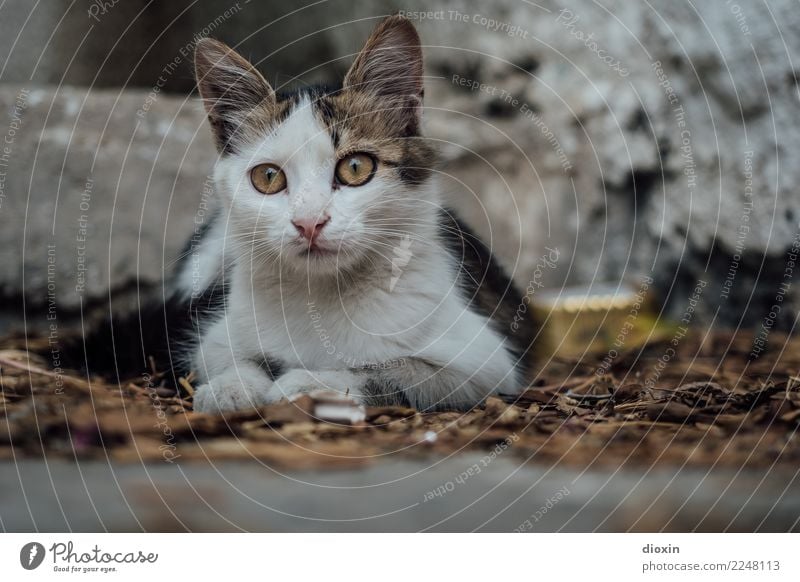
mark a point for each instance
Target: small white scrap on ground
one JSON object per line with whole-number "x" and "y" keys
{"x": 336, "y": 408}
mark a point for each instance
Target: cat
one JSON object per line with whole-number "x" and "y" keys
{"x": 338, "y": 266}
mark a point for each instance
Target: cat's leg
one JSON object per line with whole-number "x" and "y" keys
{"x": 455, "y": 382}
{"x": 458, "y": 369}
{"x": 244, "y": 385}
{"x": 412, "y": 381}
{"x": 234, "y": 379}
{"x": 437, "y": 383}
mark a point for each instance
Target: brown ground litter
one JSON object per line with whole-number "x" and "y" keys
{"x": 703, "y": 405}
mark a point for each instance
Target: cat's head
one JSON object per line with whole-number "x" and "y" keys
{"x": 322, "y": 179}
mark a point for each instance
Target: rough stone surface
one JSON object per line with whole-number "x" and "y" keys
{"x": 638, "y": 186}
{"x": 91, "y": 184}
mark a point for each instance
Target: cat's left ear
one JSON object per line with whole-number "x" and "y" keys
{"x": 390, "y": 65}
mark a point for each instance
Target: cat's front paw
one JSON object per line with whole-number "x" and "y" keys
{"x": 232, "y": 391}
{"x": 299, "y": 381}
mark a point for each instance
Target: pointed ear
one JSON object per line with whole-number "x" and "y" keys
{"x": 231, "y": 88}
{"x": 390, "y": 64}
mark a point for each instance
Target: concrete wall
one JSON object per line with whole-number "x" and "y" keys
{"x": 639, "y": 139}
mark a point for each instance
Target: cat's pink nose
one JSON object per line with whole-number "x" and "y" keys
{"x": 310, "y": 227}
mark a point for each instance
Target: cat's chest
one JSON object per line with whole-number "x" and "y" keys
{"x": 334, "y": 330}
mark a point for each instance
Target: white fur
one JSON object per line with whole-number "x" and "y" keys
{"x": 330, "y": 320}
{"x": 204, "y": 263}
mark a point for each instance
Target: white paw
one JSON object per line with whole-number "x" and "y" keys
{"x": 299, "y": 381}
{"x": 231, "y": 391}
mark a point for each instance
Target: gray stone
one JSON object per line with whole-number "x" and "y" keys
{"x": 598, "y": 171}
{"x": 505, "y": 496}
{"x": 92, "y": 184}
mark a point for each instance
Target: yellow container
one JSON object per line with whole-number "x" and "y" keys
{"x": 596, "y": 318}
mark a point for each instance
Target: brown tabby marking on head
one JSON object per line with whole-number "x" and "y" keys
{"x": 378, "y": 110}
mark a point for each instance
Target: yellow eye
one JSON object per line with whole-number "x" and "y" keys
{"x": 356, "y": 169}
{"x": 268, "y": 178}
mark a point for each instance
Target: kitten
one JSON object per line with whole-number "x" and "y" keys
{"x": 340, "y": 268}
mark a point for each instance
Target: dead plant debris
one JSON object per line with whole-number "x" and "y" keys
{"x": 706, "y": 405}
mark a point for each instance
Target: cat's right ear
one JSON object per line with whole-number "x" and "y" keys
{"x": 231, "y": 88}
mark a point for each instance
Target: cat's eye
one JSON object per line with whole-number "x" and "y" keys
{"x": 356, "y": 169}
{"x": 268, "y": 178}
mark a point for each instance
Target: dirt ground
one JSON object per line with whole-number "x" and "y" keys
{"x": 702, "y": 404}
